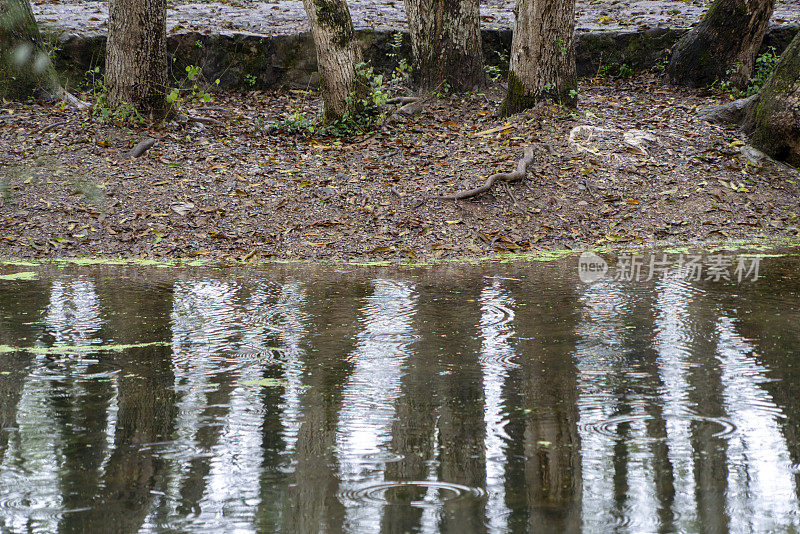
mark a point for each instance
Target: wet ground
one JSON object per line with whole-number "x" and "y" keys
{"x": 287, "y": 16}
{"x": 521, "y": 397}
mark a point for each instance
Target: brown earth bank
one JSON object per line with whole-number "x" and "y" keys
{"x": 635, "y": 164}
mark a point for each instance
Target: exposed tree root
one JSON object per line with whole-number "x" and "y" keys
{"x": 141, "y": 148}
{"x": 70, "y": 99}
{"x": 402, "y": 100}
{"x": 518, "y": 174}
{"x": 52, "y": 127}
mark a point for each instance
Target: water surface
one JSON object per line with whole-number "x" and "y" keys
{"x": 492, "y": 398}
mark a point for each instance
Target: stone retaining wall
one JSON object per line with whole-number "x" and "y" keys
{"x": 243, "y": 61}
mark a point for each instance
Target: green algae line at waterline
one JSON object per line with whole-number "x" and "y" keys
{"x": 80, "y": 349}
{"x": 26, "y": 275}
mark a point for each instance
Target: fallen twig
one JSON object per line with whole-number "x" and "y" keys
{"x": 402, "y": 100}
{"x": 52, "y": 126}
{"x": 141, "y": 148}
{"x": 202, "y": 120}
{"x": 71, "y": 99}
{"x": 518, "y": 174}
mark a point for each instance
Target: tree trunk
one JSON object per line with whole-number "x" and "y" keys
{"x": 136, "y": 57}
{"x": 542, "y": 55}
{"x": 338, "y": 53}
{"x": 774, "y": 119}
{"x": 446, "y": 43}
{"x": 723, "y": 46}
{"x": 24, "y": 65}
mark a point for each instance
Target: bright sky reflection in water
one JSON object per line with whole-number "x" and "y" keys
{"x": 498, "y": 398}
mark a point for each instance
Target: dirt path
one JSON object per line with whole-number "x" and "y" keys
{"x": 284, "y": 17}
{"x": 236, "y": 191}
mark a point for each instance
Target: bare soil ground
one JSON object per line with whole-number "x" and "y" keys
{"x": 645, "y": 168}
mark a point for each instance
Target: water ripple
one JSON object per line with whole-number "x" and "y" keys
{"x": 609, "y": 427}
{"x": 400, "y": 493}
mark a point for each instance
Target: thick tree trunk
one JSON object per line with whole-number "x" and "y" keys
{"x": 723, "y": 46}
{"x": 24, "y": 65}
{"x": 338, "y": 53}
{"x": 774, "y": 119}
{"x": 446, "y": 43}
{"x": 136, "y": 57}
{"x": 542, "y": 55}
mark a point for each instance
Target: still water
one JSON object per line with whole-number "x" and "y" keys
{"x": 491, "y": 398}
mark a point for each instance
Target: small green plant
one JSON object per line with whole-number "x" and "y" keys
{"x": 365, "y": 110}
{"x": 402, "y": 69}
{"x": 189, "y": 88}
{"x": 493, "y": 72}
{"x": 296, "y": 123}
{"x": 125, "y": 113}
{"x": 763, "y": 69}
{"x": 443, "y": 90}
{"x": 625, "y": 71}
{"x": 101, "y": 110}
{"x": 250, "y": 79}
{"x": 561, "y": 47}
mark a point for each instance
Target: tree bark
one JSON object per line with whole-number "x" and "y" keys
{"x": 723, "y": 46}
{"x": 446, "y": 43}
{"x": 774, "y": 119}
{"x": 338, "y": 53}
{"x": 24, "y": 65}
{"x": 136, "y": 57}
{"x": 542, "y": 55}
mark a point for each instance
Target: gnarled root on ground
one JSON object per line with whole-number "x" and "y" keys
{"x": 518, "y": 174}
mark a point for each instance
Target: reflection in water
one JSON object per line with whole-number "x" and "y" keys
{"x": 295, "y": 400}
{"x": 497, "y": 356}
{"x": 365, "y": 423}
{"x": 761, "y": 484}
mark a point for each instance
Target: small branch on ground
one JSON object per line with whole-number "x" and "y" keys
{"x": 203, "y": 120}
{"x": 186, "y": 119}
{"x": 141, "y": 148}
{"x": 402, "y": 100}
{"x": 518, "y": 174}
{"x": 52, "y": 126}
{"x": 71, "y": 99}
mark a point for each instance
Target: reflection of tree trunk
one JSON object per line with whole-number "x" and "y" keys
{"x": 447, "y": 341}
{"x": 314, "y": 505}
{"x": 273, "y": 480}
{"x": 662, "y": 467}
{"x": 146, "y": 410}
{"x": 776, "y": 337}
{"x": 217, "y": 407}
{"x": 81, "y": 411}
{"x": 462, "y": 431}
{"x": 414, "y": 427}
{"x": 643, "y": 316}
{"x": 710, "y": 453}
{"x": 17, "y": 308}
{"x": 515, "y": 485}
{"x": 551, "y": 440}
